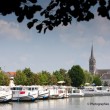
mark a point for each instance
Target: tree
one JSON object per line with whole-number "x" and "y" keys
{"x": 53, "y": 80}
{"x": 4, "y": 79}
{"x": 35, "y": 79}
{"x": 62, "y": 75}
{"x": 97, "y": 81}
{"x": 88, "y": 77}
{"x": 20, "y": 78}
{"x": 28, "y": 72}
{"x": 57, "y": 12}
{"x": 44, "y": 78}
{"x": 59, "y": 75}
{"x": 105, "y": 83}
{"x": 77, "y": 76}
{"x": 67, "y": 80}
{"x": 66, "y": 77}
{"x": 29, "y": 75}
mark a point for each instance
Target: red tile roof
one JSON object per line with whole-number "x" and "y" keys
{"x": 11, "y": 73}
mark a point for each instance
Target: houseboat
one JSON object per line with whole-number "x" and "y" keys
{"x": 24, "y": 93}
{"x": 102, "y": 90}
{"x": 75, "y": 92}
{"x": 89, "y": 91}
{"x": 5, "y": 94}
{"x": 43, "y": 92}
{"x": 96, "y": 91}
{"x": 56, "y": 92}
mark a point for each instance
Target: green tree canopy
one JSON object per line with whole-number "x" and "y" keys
{"x": 97, "y": 81}
{"x": 53, "y": 80}
{"x": 57, "y": 12}
{"x": 77, "y": 76}
{"x": 88, "y": 77}
{"x": 28, "y": 72}
{"x": 59, "y": 75}
{"x": 62, "y": 75}
{"x": 44, "y": 78}
{"x": 4, "y": 79}
{"x": 20, "y": 78}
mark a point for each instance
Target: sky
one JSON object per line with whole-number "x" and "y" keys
{"x": 63, "y": 47}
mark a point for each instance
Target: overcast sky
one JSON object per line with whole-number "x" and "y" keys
{"x": 61, "y": 48}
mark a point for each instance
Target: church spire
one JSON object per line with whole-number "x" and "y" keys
{"x": 92, "y": 62}
{"x": 92, "y": 54}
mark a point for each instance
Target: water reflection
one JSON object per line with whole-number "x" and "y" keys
{"x": 6, "y": 106}
{"x": 83, "y": 103}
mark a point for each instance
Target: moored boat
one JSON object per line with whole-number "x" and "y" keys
{"x": 88, "y": 91}
{"x": 75, "y": 92}
{"x": 96, "y": 91}
{"x": 102, "y": 91}
{"x": 24, "y": 93}
{"x": 43, "y": 92}
{"x": 56, "y": 92}
{"x": 5, "y": 94}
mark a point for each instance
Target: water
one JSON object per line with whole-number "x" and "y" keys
{"x": 84, "y": 103}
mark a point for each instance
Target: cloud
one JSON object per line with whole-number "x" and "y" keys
{"x": 101, "y": 41}
{"x": 23, "y": 59}
{"x": 79, "y": 34}
{"x": 12, "y": 30}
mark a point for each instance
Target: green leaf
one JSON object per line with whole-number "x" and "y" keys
{"x": 20, "y": 18}
{"x": 39, "y": 27}
{"x": 35, "y": 20}
{"x": 50, "y": 27}
{"x": 45, "y": 30}
{"x": 30, "y": 25}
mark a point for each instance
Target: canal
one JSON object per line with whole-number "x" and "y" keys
{"x": 83, "y": 103}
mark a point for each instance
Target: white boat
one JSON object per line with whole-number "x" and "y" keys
{"x": 65, "y": 91}
{"x": 89, "y": 91}
{"x": 5, "y": 94}
{"x": 102, "y": 90}
{"x": 56, "y": 92}
{"x": 75, "y": 92}
{"x": 24, "y": 93}
{"x": 96, "y": 91}
{"x": 43, "y": 92}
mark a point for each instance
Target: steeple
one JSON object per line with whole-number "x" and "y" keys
{"x": 92, "y": 62}
{"x": 92, "y": 55}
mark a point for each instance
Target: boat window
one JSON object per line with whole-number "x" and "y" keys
{"x": 16, "y": 88}
{"x": 99, "y": 88}
{"x": 76, "y": 91}
{"x": 32, "y": 89}
{"x": 11, "y": 88}
{"x": 69, "y": 91}
{"x": 91, "y": 90}
{"x": 19, "y": 88}
{"x": 29, "y": 88}
{"x": 36, "y": 88}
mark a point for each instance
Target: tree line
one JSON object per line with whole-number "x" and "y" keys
{"x": 75, "y": 76}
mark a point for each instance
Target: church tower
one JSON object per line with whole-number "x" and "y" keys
{"x": 92, "y": 62}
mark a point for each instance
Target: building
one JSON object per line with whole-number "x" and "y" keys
{"x": 103, "y": 73}
{"x": 11, "y": 74}
{"x": 92, "y": 62}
